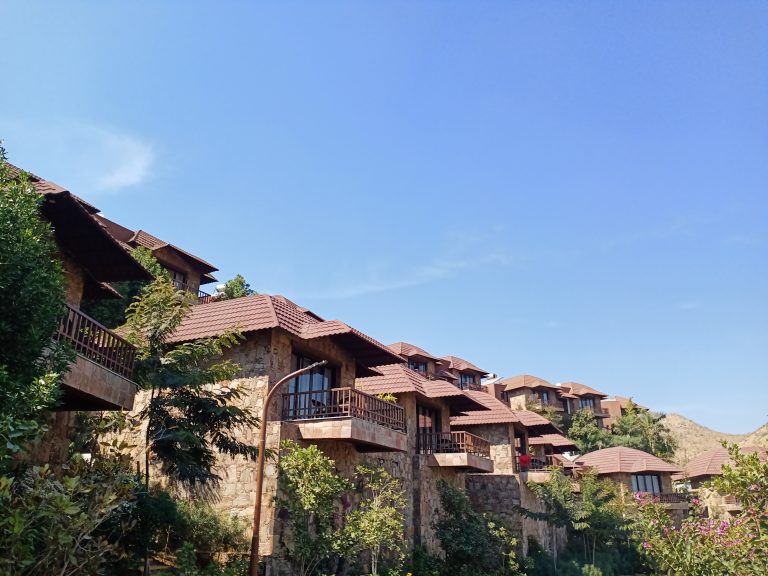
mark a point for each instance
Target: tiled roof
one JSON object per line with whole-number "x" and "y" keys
{"x": 626, "y": 460}
{"x": 582, "y": 390}
{"x": 497, "y": 411}
{"x": 556, "y": 440}
{"x": 456, "y": 363}
{"x": 407, "y": 350}
{"x": 525, "y": 381}
{"x": 532, "y": 420}
{"x": 263, "y": 312}
{"x": 710, "y": 463}
{"x": 398, "y": 378}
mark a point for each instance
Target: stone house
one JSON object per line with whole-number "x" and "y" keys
{"x": 616, "y": 407}
{"x": 525, "y": 391}
{"x": 582, "y": 397}
{"x": 100, "y": 376}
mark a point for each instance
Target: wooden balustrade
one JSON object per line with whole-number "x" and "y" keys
{"x": 96, "y": 342}
{"x": 202, "y": 297}
{"x": 672, "y": 497}
{"x": 340, "y": 403}
{"x": 457, "y": 441}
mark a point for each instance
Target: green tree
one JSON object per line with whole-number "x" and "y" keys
{"x": 237, "y": 287}
{"x": 586, "y": 432}
{"x": 189, "y": 418}
{"x": 310, "y": 494}
{"x": 645, "y": 431}
{"x": 377, "y": 524}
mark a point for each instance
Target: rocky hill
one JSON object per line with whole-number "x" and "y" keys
{"x": 693, "y": 438}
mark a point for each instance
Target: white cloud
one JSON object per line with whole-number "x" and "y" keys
{"x": 83, "y": 157}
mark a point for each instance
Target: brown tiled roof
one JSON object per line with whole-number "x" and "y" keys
{"x": 710, "y": 463}
{"x": 536, "y": 421}
{"x": 564, "y": 462}
{"x": 398, "y": 378}
{"x": 497, "y": 411}
{"x": 626, "y": 460}
{"x": 456, "y": 363}
{"x": 263, "y": 312}
{"x": 556, "y": 440}
{"x": 526, "y": 381}
{"x": 582, "y": 390}
{"x": 408, "y": 350}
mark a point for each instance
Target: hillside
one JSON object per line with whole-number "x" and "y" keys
{"x": 693, "y": 438}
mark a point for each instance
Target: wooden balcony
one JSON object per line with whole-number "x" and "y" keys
{"x": 346, "y": 414}
{"x": 202, "y": 297}
{"x": 456, "y": 449}
{"x": 100, "y": 377}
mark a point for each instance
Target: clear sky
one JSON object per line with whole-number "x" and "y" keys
{"x": 574, "y": 190}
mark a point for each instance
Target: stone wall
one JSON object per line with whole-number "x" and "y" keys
{"x": 74, "y": 280}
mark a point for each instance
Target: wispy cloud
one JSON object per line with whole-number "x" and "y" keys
{"x": 84, "y": 157}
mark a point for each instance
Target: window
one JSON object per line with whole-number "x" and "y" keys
{"x": 587, "y": 403}
{"x": 428, "y": 419}
{"x": 646, "y": 483}
{"x": 544, "y": 396}
{"x": 179, "y": 279}
{"x": 310, "y": 391}
{"x": 465, "y": 380}
{"x": 418, "y": 365}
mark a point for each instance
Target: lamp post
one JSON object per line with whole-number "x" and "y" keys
{"x": 253, "y": 568}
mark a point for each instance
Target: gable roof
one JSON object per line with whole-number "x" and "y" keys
{"x": 582, "y": 390}
{"x": 456, "y": 363}
{"x": 408, "y": 350}
{"x": 710, "y": 463}
{"x": 264, "y": 312}
{"x": 78, "y": 233}
{"x": 525, "y": 381}
{"x": 497, "y": 412}
{"x": 625, "y": 460}
{"x": 554, "y": 440}
{"x": 398, "y": 378}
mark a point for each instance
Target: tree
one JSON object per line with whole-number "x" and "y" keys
{"x": 32, "y": 304}
{"x": 377, "y": 524}
{"x": 586, "y": 433}
{"x": 237, "y": 287}
{"x": 189, "y": 418}
{"x": 645, "y": 431}
{"x": 311, "y": 491}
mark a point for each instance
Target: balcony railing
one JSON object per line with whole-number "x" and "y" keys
{"x": 341, "y": 403}
{"x": 96, "y": 342}
{"x": 537, "y": 463}
{"x": 445, "y": 442}
{"x": 202, "y": 297}
{"x": 672, "y": 497}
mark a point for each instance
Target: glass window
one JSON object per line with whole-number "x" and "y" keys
{"x": 588, "y": 403}
{"x": 465, "y": 380}
{"x": 649, "y": 483}
{"x": 544, "y": 396}
{"x": 310, "y": 392}
{"x": 418, "y": 366}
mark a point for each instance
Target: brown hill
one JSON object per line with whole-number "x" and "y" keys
{"x": 693, "y": 438}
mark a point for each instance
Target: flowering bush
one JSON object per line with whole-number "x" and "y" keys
{"x": 703, "y": 546}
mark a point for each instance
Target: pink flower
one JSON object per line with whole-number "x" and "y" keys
{"x": 723, "y": 527}
{"x": 638, "y": 496}
{"x": 646, "y": 545}
{"x": 695, "y": 501}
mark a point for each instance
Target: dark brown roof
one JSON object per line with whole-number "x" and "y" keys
{"x": 526, "y": 381}
{"x": 497, "y": 412}
{"x": 710, "y": 463}
{"x": 79, "y": 234}
{"x": 407, "y": 350}
{"x": 153, "y": 243}
{"x": 626, "y": 460}
{"x": 456, "y": 363}
{"x": 264, "y": 312}
{"x": 398, "y": 379}
{"x": 582, "y": 390}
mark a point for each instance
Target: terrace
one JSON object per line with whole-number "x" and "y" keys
{"x": 100, "y": 377}
{"x": 347, "y": 414}
{"x": 457, "y": 449}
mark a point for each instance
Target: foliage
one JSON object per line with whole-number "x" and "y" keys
{"x": 112, "y": 312}
{"x": 207, "y": 530}
{"x": 32, "y": 285}
{"x": 312, "y": 490}
{"x": 387, "y": 397}
{"x": 643, "y": 430}
{"x": 188, "y": 565}
{"x": 237, "y": 287}
{"x": 586, "y": 432}
{"x": 65, "y": 524}
{"x": 377, "y": 524}
{"x": 189, "y": 419}
{"x": 537, "y": 405}
{"x": 710, "y": 546}
{"x": 473, "y": 543}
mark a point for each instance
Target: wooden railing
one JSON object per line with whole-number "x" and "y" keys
{"x": 442, "y": 442}
{"x": 202, "y": 297}
{"x": 672, "y": 497}
{"x": 96, "y": 342}
{"x": 537, "y": 462}
{"x": 340, "y": 403}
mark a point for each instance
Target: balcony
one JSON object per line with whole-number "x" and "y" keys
{"x": 202, "y": 297}
{"x": 457, "y": 449}
{"x": 346, "y": 414}
{"x": 100, "y": 377}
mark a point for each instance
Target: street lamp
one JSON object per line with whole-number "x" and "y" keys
{"x": 254, "y": 563}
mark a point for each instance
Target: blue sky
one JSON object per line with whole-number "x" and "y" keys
{"x": 573, "y": 190}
